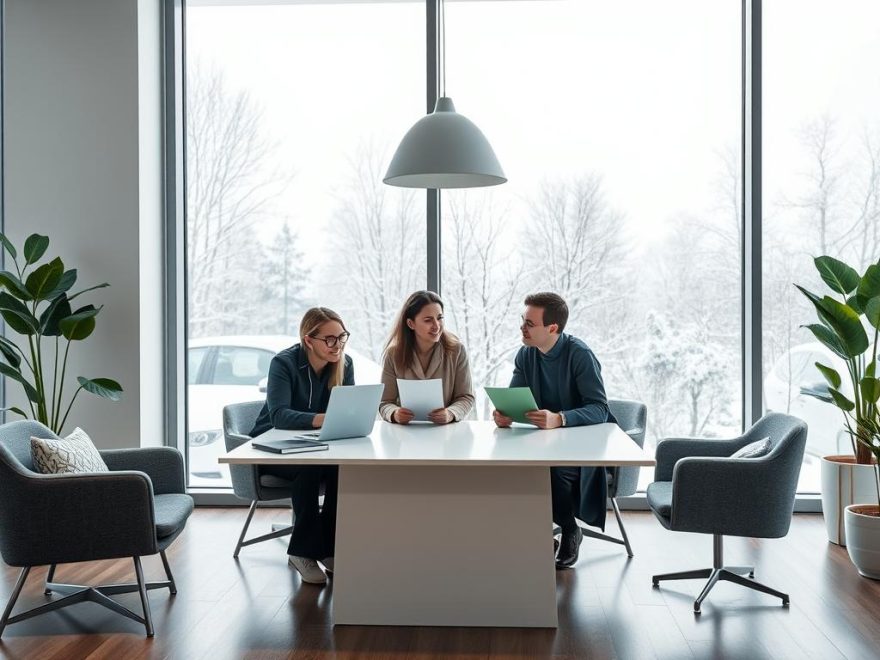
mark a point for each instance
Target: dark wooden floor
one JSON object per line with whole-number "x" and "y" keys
{"x": 257, "y": 607}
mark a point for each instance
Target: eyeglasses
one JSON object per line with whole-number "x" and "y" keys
{"x": 332, "y": 340}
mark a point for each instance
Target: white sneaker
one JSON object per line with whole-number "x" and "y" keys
{"x": 328, "y": 564}
{"x": 308, "y": 569}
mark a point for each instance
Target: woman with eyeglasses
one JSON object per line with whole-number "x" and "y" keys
{"x": 297, "y": 395}
{"x": 420, "y": 349}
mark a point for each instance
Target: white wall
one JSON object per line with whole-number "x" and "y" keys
{"x": 83, "y": 165}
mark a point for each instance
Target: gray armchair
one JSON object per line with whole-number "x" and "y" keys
{"x": 137, "y": 509}
{"x": 248, "y": 482}
{"x": 632, "y": 417}
{"x": 699, "y": 488}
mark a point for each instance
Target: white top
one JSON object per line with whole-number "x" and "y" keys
{"x": 462, "y": 443}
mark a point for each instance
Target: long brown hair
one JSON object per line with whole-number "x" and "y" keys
{"x": 401, "y": 345}
{"x": 311, "y": 322}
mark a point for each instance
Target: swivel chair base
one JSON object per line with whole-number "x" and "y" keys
{"x": 78, "y": 593}
{"x": 719, "y": 572}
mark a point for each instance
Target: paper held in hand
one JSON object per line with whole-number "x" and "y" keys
{"x": 514, "y": 402}
{"x": 421, "y": 396}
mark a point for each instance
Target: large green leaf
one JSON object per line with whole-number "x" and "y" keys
{"x": 10, "y": 248}
{"x": 869, "y": 286}
{"x": 14, "y": 285}
{"x": 872, "y": 311}
{"x": 828, "y": 339}
{"x": 35, "y": 247}
{"x": 80, "y": 324}
{"x": 50, "y": 319}
{"x": 17, "y": 411}
{"x": 843, "y": 321}
{"x": 840, "y": 400}
{"x": 103, "y": 387}
{"x": 830, "y": 374}
{"x": 9, "y": 351}
{"x": 17, "y": 316}
{"x": 44, "y": 279}
{"x": 15, "y": 374}
{"x": 68, "y": 279}
{"x": 870, "y": 388}
{"x": 853, "y": 301}
{"x": 837, "y": 275}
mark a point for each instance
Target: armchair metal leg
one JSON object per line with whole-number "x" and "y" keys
{"x": 683, "y": 575}
{"x": 751, "y": 584}
{"x": 14, "y": 597}
{"x": 278, "y": 530}
{"x": 171, "y": 586}
{"x": 50, "y": 577}
{"x": 145, "y": 602}
{"x": 599, "y": 535}
{"x": 713, "y": 580}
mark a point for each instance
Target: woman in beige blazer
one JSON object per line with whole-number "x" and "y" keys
{"x": 420, "y": 349}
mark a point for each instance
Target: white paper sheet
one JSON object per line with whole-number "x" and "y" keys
{"x": 421, "y": 396}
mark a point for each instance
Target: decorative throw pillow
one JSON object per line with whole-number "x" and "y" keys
{"x": 75, "y": 453}
{"x": 754, "y": 449}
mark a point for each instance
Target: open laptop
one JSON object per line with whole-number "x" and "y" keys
{"x": 351, "y": 413}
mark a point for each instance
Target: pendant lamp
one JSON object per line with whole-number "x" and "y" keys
{"x": 444, "y": 149}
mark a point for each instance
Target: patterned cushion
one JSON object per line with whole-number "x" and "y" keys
{"x": 75, "y": 453}
{"x": 754, "y": 449}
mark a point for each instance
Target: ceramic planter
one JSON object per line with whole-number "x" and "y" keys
{"x": 844, "y": 483}
{"x": 863, "y": 538}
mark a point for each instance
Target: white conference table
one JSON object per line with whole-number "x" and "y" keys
{"x": 449, "y": 525}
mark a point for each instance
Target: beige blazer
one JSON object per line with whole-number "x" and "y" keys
{"x": 454, "y": 371}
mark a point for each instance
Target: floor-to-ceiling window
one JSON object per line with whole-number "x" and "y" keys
{"x": 618, "y": 125}
{"x": 292, "y": 112}
{"x": 821, "y": 191}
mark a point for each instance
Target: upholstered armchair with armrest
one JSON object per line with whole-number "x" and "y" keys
{"x": 136, "y": 509}
{"x": 699, "y": 488}
{"x": 248, "y": 481}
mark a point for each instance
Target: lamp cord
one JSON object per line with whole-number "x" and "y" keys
{"x": 441, "y": 43}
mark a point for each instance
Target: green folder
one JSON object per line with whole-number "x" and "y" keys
{"x": 513, "y": 402}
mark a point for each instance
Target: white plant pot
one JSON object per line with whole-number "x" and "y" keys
{"x": 844, "y": 483}
{"x": 863, "y": 538}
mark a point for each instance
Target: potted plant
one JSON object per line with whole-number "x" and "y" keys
{"x": 862, "y": 521}
{"x": 848, "y": 327}
{"x": 36, "y": 304}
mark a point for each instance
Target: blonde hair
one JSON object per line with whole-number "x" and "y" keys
{"x": 401, "y": 345}
{"x": 311, "y": 322}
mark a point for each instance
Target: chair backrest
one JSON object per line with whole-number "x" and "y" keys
{"x": 16, "y": 438}
{"x": 632, "y": 417}
{"x": 238, "y": 420}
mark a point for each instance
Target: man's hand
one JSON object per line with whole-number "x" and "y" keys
{"x": 441, "y": 416}
{"x": 318, "y": 421}
{"x": 544, "y": 419}
{"x": 501, "y": 420}
{"x": 402, "y": 416}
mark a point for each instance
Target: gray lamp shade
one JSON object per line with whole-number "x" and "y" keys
{"x": 444, "y": 150}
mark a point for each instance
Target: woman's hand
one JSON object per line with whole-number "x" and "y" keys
{"x": 402, "y": 416}
{"x": 318, "y": 421}
{"x": 441, "y": 416}
{"x": 501, "y": 420}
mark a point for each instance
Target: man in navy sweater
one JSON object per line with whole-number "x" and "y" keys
{"x": 566, "y": 380}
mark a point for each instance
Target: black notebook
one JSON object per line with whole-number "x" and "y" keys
{"x": 289, "y": 446}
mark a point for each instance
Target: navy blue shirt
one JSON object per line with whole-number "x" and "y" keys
{"x": 294, "y": 392}
{"x": 568, "y": 379}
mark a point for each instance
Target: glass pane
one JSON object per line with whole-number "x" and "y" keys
{"x": 622, "y": 150}
{"x": 195, "y": 360}
{"x": 292, "y": 116}
{"x": 821, "y": 194}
